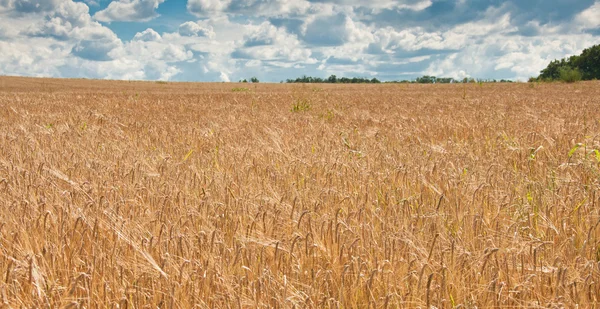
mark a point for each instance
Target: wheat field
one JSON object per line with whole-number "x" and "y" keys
{"x": 186, "y": 195}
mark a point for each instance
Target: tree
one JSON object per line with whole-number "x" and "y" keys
{"x": 552, "y": 71}
{"x": 254, "y": 80}
{"x": 444, "y": 80}
{"x": 334, "y": 79}
{"x": 569, "y": 75}
{"x": 587, "y": 65}
{"x": 426, "y": 79}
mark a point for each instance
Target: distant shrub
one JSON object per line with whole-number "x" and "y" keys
{"x": 569, "y": 75}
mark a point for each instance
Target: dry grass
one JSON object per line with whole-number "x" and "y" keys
{"x": 145, "y": 195}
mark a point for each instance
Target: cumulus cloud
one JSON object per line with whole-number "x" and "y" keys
{"x": 160, "y": 71}
{"x": 272, "y": 8}
{"x": 269, "y": 43}
{"x": 61, "y": 39}
{"x": 129, "y": 10}
{"x": 30, "y": 6}
{"x": 519, "y": 58}
{"x": 278, "y": 39}
{"x": 30, "y": 59}
{"x": 67, "y": 20}
{"x": 97, "y": 50}
{"x": 590, "y": 18}
{"x": 413, "y": 5}
{"x": 256, "y": 7}
{"x": 224, "y": 78}
{"x": 191, "y": 28}
{"x": 147, "y": 35}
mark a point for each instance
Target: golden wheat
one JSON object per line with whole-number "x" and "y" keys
{"x": 183, "y": 195}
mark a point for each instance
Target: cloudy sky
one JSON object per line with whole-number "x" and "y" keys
{"x": 227, "y": 40}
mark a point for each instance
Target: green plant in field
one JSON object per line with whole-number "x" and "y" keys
{"x": 329, "y": 115}
{"x": 301, "y": 105}
{"x": 240, "y": 89}
{"x": 533, "y": 152}
{"x": 574, "y": 149}
{"x": 188, "y": 155}
{"x": 161, "y": 82}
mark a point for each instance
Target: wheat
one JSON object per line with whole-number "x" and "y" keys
{"x": 182, "y": 195}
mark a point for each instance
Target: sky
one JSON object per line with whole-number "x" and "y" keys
{"x": 273, "y": 40}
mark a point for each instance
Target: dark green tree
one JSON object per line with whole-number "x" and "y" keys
{"x": 426, "y": 79}
{"x": 552, "y": 71}
{"x": 587, "y": 64}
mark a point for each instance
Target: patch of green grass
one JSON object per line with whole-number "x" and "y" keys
{"x": 240, "y": 89}
{"x": 301, "y": 105}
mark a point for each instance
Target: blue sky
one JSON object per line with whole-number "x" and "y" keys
{"x": 228, "y": 40}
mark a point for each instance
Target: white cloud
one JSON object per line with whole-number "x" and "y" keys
{"x": 147, "y": 35}
{"x": 31, "y": 59}
{"x": 224, "y": 77}
{"x": 296, "y": 7}
{"x": 191, "y": 28}
{"x": 267, "y": 42}
{"x": 203, "y": 8}
{"x": 520, "y": 58}
{"x": 29, "y": 6}
{"x": 160, "y": 71}
{"x": 62, "y": 40}
{"x": 414, "y": 5}
{"x": 283, "y": 39}
{"x": 129, "y": 10}
{"x": 68, "y": 21}
{"x": 96, "y": 50}
{"x": 590, "y": 18}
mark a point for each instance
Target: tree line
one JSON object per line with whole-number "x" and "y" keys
{"x": 426, "y": 79}
{"x": 580, "y": 67}
{"x": 333, "y": 80}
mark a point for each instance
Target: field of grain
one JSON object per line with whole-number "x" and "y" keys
{"x": 182, "y": 195}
